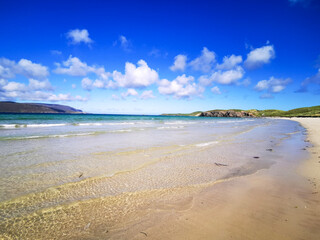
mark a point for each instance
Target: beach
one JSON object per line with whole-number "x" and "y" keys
{"x": 162, "y": 178}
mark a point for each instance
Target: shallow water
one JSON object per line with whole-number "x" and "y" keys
{"x": 58, "y": 170}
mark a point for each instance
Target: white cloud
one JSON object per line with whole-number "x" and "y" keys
{"x": 147, "y": 94}
{"x": 8, "y": 69}
{"x": 183, "y": 79}
{"x": 65, "y": 97}
{"x": 259, "y": 56}
{"x": 180, "y": 87}
{"x": 229, "y": 62}
{"x": 32, "y": 70}
{"x": 130, "y": 92}
{"x": 74, "y": 86}
{"x": 39, "y": 85}
{"x": 33, "y": 92}
{"x": 223, "y": 77}
{"x": 215, "y": 90}
{"x": 14, "y": 86}
{"x": 124, "y": 43}
{"x": 77, "y": 36}
{"x": 205, "y": 61}
{"x": 273, "y": 85}
{"x": 86, "y": 83}
{"x": 180, "y": 63}
{"x": 135, "y": 76}
{"x": 74, "y": 67}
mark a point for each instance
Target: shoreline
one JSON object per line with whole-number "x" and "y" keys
{"x": 311, "y": 167}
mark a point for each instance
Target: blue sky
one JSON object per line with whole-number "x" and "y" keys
{"x": 150, "y": 57}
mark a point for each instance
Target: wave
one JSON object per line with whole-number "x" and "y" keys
{"x": 172, "y": 127}
{"x": 64, "y": 124}
{"x": 50, "y": 136}
{"x": 121, "y": 130}
{"x": 32, "y": 125}
{"x": 206, "y": 144}
{"x": 179, "y": 122}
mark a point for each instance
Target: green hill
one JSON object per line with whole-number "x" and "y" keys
{"x": 297, "y": 112}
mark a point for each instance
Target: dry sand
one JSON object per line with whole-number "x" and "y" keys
{"x": 311, "y": 167}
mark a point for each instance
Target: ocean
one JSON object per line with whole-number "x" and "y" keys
{"x": 70, "y": 175}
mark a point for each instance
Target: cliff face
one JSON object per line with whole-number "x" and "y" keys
{"x": 227, "y": 113}
{"x": 13, "y": 107}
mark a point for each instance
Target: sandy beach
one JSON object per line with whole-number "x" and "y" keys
{"x": 258, "y": 181}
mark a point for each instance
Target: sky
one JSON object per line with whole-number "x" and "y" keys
{"x": 153, "y": 57}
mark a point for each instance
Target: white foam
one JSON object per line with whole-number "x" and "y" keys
{"x": 122, "y": 130}
{"x": 172, "y": 127}
{"x": 206, "y": 144}
{"x": 46, "y": 125}
{"x": 179, "y": 122}
{"x": 10, "y": 125}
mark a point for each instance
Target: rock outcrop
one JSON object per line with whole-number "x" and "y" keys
{"x": 227, "y": 113}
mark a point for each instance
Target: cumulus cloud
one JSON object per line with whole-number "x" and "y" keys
{"x": 315, "y": 79}
{"x": 35, "y": 91}
{"x": 215, "y": 90}
{"x": 180, "y": 63}
{"x": 40, "y": 85}
{"x": 75, "y": 67}
{"x": 148, "y": 94}
{"x": 259, "y": 56}
{"x": 228, "y": 77}
{"x": 139, "y": 76}
{"x": 273, "y": 85}
{"x": 135, "y": 76}
{"x": 25, "y": 67}
{"x": 223, "y": 77}
{"x": 129, "y": 92}
{"x": 180, "y": 87}
{"x": 77, "y": 36}
{"x": 229, "y": 62}
{"x": 204, "y": 62}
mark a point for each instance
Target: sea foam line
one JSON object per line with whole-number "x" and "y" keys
{"x": 206, "y": 144}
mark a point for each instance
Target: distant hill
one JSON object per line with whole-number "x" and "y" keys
{"x": 297, "y": 112}
{"x": 13, "y": 107}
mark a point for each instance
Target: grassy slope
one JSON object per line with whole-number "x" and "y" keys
{"x": 298, "y": 112}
